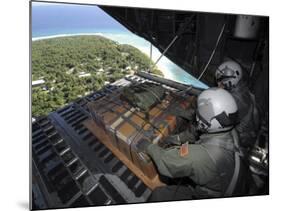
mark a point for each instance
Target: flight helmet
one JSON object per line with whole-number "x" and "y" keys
{"x": 228, "y": 74}
{"x": 216, "y": 110}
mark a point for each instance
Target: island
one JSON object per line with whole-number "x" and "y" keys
{"x": 66, "y": 68}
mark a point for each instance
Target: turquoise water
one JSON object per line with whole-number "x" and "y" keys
{"x": 53, "y": 20}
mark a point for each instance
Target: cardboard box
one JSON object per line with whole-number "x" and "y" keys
{"x": 125, "y": 126}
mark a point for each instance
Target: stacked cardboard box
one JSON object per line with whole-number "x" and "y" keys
{"x": 123, "y": 126}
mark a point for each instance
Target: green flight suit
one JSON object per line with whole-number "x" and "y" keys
{"x": 198, "y": 164}
{"x": 248, "y": 115}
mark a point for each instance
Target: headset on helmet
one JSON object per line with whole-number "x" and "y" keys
{"x": 216, "y": 110}
{"x": 229, "y": 73}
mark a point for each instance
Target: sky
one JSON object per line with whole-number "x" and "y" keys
{"x": 52, "y": 20}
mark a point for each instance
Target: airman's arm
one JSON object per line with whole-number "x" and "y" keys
{"x": 170, "y": 162}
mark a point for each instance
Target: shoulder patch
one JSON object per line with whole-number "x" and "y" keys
{"x": 183, "y": 150}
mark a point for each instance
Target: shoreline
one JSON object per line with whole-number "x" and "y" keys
{"x": 168, "y": 69}
{"x": 163, "y": 69}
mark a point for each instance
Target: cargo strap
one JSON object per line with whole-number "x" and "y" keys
{"x": 134, "y": 112}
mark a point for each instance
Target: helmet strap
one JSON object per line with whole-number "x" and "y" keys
{"x": 226, "y": 120}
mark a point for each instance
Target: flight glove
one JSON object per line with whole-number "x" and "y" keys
{"x": 180, "y": 112}
{"x": 181, "y": 138}
{"x": 142, "y": 145}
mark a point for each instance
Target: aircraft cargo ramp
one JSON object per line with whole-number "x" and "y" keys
{"x": 72, "y": 167}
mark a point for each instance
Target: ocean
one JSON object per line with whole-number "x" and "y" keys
{"x": 56, "y": 20}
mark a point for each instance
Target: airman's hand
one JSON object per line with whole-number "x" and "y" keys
{"x": 184, "y": 113}
{"x": 172, "y": 140}
{"x": 142, "y": 145}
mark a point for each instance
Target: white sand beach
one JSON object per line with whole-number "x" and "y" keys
{"x": 168, "y": 68}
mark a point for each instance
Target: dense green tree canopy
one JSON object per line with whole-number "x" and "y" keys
{"x": 75, "y": 66}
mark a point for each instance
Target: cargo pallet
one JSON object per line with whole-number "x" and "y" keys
{"x": 61, "y": 144}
